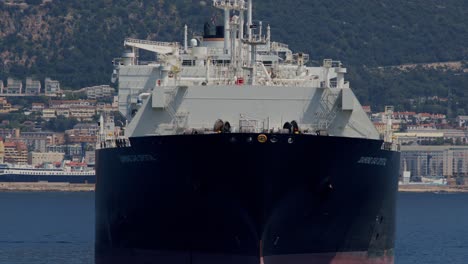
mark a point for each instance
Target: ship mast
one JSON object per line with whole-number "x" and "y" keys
{"x": 234, "y": 27}
{"x": 228, "y": 6}
{"x": 233, "y": 30}
{"x": 249, "y": 18}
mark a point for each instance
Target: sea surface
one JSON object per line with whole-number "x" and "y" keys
{"x": 46, "y": 228}
{"x": 50, "y": 228}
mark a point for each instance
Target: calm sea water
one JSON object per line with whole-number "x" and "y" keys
{"x": 40, "y": 228}
{"x": 46, "y": 228}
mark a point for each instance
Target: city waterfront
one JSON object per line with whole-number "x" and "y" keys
{"x": 59, "y": 228}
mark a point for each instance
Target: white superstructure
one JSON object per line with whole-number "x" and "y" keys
{"x": 28, "y": 170}
{"x": 237, "y": 74}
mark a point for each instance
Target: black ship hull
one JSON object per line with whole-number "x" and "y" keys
{"x": 228, "y": 198}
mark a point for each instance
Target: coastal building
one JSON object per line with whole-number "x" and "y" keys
{"x": 29, "y": 125}
{"x": 456, "y": 161}
{"x": 51, "y": 87}
{"x": 422, "y": 126}
{"x": 71, "y": 103}
{"x": 31, "y": 144}
{"x": 70, "y": 150}
{"x": 405, "y": 116}
{"x": 16, "y": 153}
{"x": 462, "y": 121}
{"x": 382, "y": 127}
{"x": 48, "y": 114}
{"x": 65, "y": 112}
{"x": 83, "y": 133}
{"x": 5, "y": 107}
{"x": 39, "y": 158}
{"x": 456, "y": 136}
{"x": 115, "y": 102}
{"x": 106, "y": 108}
{"x": 99, "y": 92}
{"x": 14, "y": 86}
{"x": 83, "y": 110}
{"x": 427, "y": 116}
{"x": 33, "y": 87}
{"x": 2, "y": 151}
{"x": 7, "y": 133}
{"x": 430, "y": 136}
{"x": 90, "y": 157}
{"x": 413, "y": 120}
{"x": 37, "y": 107}
{"x": 83, "y": 113}
{"x": 87, "y": 128}
{"x": 418, "y": 137}
{"x": 423, "y": 161}
{"x": 435, "y": 161}
{"x": 38, "y": 141}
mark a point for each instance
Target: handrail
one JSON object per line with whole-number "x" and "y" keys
{"x": 151, "y": 42}
{"x": 279, "y": 45}
{"x": 230, "y": 3}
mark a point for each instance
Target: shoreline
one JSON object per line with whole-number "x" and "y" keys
{"x": 44, "y": 187}
{"x": 67, "y": 187}
{"x": 421, "y": 188}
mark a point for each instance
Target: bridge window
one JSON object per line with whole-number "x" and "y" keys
{"x": 188, "y": 63}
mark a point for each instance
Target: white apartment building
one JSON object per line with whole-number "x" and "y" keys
{"x": 435, "y": 161}
{"x": 47, "y": 114}
{"x": 83, "y": 113}
{"x": 63, "y": 112}
{"x": 14, "y": 86}
{"x": 51, "y": 87}
{"x": 33, "y": 87}
{"x": 99, "y": 92}
{"x": 38, "y": 158}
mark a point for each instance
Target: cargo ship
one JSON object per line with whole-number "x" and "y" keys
{"x": 236, "y": 151}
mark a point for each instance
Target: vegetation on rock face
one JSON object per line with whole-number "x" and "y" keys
{"x": 419, "y": 90}
{"x": 373, "y": 33}
{"x": 75, "y": 41}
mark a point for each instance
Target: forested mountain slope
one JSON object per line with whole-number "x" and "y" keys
{"x": 75, "y": 41}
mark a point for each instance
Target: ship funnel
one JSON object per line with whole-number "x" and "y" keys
{"x": 220, "y": 31}
{"x": 128, "y": 57}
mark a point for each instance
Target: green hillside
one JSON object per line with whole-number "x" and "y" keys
{"x": 75, "y": 41}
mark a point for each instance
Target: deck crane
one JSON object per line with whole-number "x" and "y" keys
{"x": 168, "y": 51}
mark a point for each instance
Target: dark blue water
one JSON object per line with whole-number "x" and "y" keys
{"x": 46, "y": 228}
{"x": 40, "y": 228}
{"x": 432, "y": 228}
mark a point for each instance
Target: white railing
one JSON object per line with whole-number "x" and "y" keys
{"x": 233, "y": 4}
{"x": 215, "y": 51}
{"x": 151, "y": 42}
{"x": 49, "y": 173}
{"x": 275, "y": 45}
